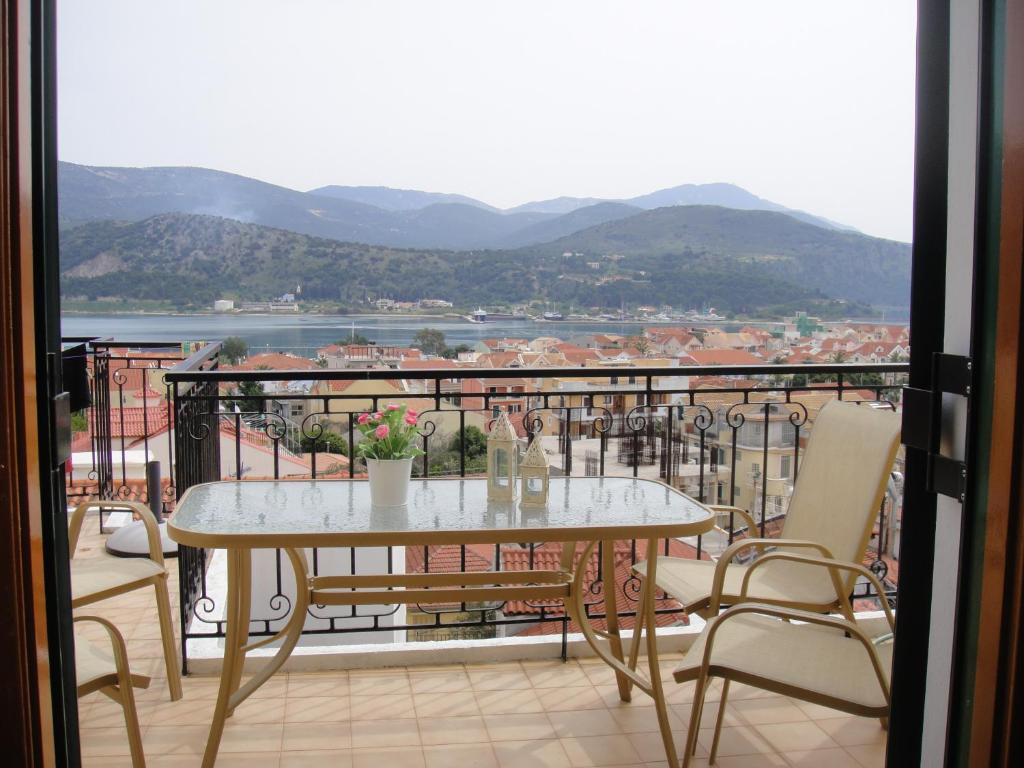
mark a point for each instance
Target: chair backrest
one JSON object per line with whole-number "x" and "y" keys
{"x": 842, "y": 478}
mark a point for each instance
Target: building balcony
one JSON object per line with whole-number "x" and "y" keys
{"x": 482, "y": 704}
{"x": 385, "y": 678}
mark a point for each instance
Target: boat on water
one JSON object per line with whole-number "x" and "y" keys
{"x": 479, "y": 315}
{"x": 554, "y": 316}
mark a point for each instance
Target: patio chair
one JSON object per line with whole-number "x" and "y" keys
{"x": 98, "y": 578}
{"x": 838, "y": 492}
{"x": 841, "y": 482}
{"x": 98, "y": 670}
{"x": 841, "y": 663}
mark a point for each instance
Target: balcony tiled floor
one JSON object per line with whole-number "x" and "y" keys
{"x": 502, "y": 715}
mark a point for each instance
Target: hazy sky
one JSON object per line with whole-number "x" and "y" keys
{"x": 809, "y": 104}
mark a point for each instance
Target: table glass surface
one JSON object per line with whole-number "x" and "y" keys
{"x": 323, "y": 507}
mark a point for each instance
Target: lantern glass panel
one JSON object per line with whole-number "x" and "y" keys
{"x": 534, "y": 485}
{"x": 501, "y": 473}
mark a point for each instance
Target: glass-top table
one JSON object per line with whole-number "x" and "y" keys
{"x": 291, "y": 515}
{"x": 307, "y": 513}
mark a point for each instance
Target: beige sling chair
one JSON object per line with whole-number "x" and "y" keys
{"x": 97, "y": 670}
{"x": 839, "y": 489}
{"x": 837, "y": 662}
{"x": 98, "y": 578}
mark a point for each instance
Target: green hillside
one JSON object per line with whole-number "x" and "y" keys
{"x": 837, "y": 263}
{"x": 190, "y": 260}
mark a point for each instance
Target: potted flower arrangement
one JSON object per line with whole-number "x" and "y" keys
{"x": 387, "y": 446}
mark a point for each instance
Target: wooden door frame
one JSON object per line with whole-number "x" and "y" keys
{"x": 39, "y": 724}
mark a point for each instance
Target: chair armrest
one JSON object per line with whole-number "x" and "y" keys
{"x": 792, "y": 614}
{"x": 120, "y": 650}
{"x": 156, "y": 549}
{"x": 747, "y": 518}
{"x": 833, "y": 566}
{"x": 718, "y": 582}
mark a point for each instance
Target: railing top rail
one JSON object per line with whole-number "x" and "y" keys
{"x": 193, "y": 365}
{"x": 187, "y": 372}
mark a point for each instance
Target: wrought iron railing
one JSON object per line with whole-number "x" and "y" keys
{"x": 687, "y": 430}
{"x": 119, "y": 420}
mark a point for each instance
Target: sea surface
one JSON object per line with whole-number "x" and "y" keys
{"x": 304, "y": 334}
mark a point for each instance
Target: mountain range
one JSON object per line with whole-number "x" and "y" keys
{"x": 189, "y": 235}
{"x": 374, "y": 215}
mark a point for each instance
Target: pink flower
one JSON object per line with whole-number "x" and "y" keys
{"x": 410, "y": 419}
{"x": 378, "y": 416}
{"x": 363, "y": 418}
{"x": 381, "y": 432}
{"x": 393, "y": 407}
{"x": 412, "y": 413}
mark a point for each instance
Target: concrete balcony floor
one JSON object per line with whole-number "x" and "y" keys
{"x": 532, "y": 714}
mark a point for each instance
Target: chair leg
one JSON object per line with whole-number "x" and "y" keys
{"x": 638, "y": 628}
{"x": 695, "y": 714}
{"x": 163, "y": 609}
{"x": 719, "y": 720}
{"x": 646, "y": 609}
{"x": 131, "y": 720}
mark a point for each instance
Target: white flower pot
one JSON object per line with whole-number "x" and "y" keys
{"x": 389, "y": 481}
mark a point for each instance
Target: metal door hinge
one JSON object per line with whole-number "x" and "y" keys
{"x": 922, "y": 422}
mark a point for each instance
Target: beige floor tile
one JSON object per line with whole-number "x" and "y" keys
{"x": 519, "y": 727}
{"x": 265, "y": 737}
{"x": 460, "y": 756}
{"x": 316, "y": 736}
{"x": 317, "y": 684}
{"x": 508, "y": 702}
{"x": 498, "y": 677}
{"x": 569, "y": 697}
{"x": 453, "y": 730}
{"x": 752, "y": 761}
{"x": 385, "y": 733}
{"x": 708, "y": 715}
{"x": 104, "y": 742}
{"x": 821, "y": 758}
{"x": 317, "y": 709}
{"x": 758, "y": 711}
{"x": 383, "y": 707}
{"x": 440, "y": 682}
{"x": 533, "y": 753}
{"x": 868, "y": 755}
{"x": 255, "y": 711}
{"x": 586, "y": 751}
{"x": 445, "y": 704}
{"x": 248, "y": 759}
{"x": 853, "y": 731}
{"x": 817, "y": 711}
{"x": 587, "y": 722}
{"x": 785, "y": 737}
{"x": 366, "y": 684}
{"x": 737, "y": 740}
{"x": 337, "y": 758}
{"x": 175, "y": 740}
{"x": 391, "y": 757}
{"x": 641, "y": 719}
{"x": 555, "y": 674}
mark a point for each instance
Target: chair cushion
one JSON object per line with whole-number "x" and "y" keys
{"x": 92, "y": 578}
{"x": 802, "y": 660}
{"x": 689, "y": 582}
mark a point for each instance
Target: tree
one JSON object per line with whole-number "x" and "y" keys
{"x": 329, "y": 442}
{"x": 430, "y": 341}
{"x": 453, "y": 352}
{"x": 355, "y": 338}
{"x": 475, "y": 441}
{"x": 234, "y": 349}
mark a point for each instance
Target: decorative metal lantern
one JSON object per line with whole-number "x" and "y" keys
{"x": 502, "y": 458}
{"x": 534, "y": 474}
